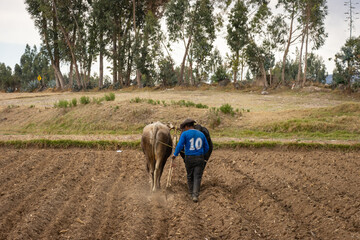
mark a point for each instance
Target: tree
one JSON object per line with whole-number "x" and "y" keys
{"x": 42, "y": 12}
{"x": 33, "y": 64}
{"x": 316, "y": 69}
{"x": 291, "y": 12}
{"x": 348, "y": 63}
{"x": 6, "y": 80}
{"x": 150, "y": 51}
{"x": 266, "y": 34}
{"x": 312, "y": 21}
{"x": 237, "y": 34}
{"x": 194, "y": 23}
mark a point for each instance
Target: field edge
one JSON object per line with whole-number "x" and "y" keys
{"x": 113, "y": 145}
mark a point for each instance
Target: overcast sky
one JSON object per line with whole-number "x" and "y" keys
{"x": 17, "y": 29}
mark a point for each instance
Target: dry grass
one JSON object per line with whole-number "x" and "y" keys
{"x": 281, "y": 114}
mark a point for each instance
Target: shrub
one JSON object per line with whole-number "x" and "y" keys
{"x": 136, "y": 100}
{"x": 227, "y": 109}
{"x": 150, "y": 101}
{"x": 199, "y": 105}
{"x": 214, "y": 118}
{"x": 110, "y": 97}
{"x": 74, "y": 102}
{"x": 97, "y": 100}
{"x": 32, "y": 85}
{"x": 62, "y": 104}
{"x": 84, "y": 100}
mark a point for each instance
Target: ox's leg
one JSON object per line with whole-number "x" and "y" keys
{"x": 157, "y": 176}
{"x": 152, "y": 177}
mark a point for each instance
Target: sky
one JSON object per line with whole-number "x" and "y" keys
{"x": 17, "y": 29}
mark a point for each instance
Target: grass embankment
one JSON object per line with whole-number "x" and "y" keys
{"x": 113, "y": 145}
{"x": 129, "y": 117}
{"x": 340, "y": 122}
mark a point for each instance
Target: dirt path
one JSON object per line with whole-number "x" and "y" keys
{"x": 246, "y": 194}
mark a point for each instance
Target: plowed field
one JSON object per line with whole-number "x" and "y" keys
{"x": 246, "y": 194}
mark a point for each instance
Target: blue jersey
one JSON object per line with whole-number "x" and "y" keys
{"x": 194, "y": 141}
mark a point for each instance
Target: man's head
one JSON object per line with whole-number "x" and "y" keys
{"x": 187, "y": 124}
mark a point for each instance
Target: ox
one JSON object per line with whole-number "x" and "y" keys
{"x": 156, "y": 144}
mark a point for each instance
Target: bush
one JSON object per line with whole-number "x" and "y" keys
{"x": 110, "y": 97}
{"x": 227, "y": 109}
{"x": 150, "y": 101}
{"x": 62, "y": 104}
{"x": 31, "y": 86}
{"x": 84, "y": 100}
{"x": 214, "y": 118}
{"x": 136, "y": 100}
{"x": 199, "y": 105}
{"x": 98, "y": 100}
{"x": 74, "y": 102}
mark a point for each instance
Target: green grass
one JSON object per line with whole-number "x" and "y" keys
{"x": 109, "y": 97}
{"x": 84, "y": 100}
{"x": 304, "y": 135}
{"x": 62, "y": 104}
{"x": 45, "y": 143}
{"x": 181, "y": 103}
{"x": 227, "y": 109}
{"x": 339, "y": 121}
{"x": 113, "y": 145}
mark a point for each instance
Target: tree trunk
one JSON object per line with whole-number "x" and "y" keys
{"x": 114, "y": 59}
{"x": 242, "y": 69}
{"x": 263, "y": 73}
{"x": 129, "y": 63}
{"x": 300, "y": 58}
{"x": 71, "y": 80}
{"x": 306, "y": 47}
{"x": 101, "y": 69}
{"x": 69, "y": 45}
{"x": 120, "y": 61}
{"x": 287, "y": 49}
{"x": 58, "y": 76}
{"x": 59, "y": 80}
{"x": 138, "y": 74}
{"x": 181, "y": 77}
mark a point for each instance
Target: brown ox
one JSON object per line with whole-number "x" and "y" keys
{"x": 156, "y": 144}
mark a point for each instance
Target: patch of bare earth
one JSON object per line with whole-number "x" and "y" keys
{"x": 246, "y": 194}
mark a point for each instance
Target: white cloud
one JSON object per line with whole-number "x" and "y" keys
{"x": 16, "y": 26}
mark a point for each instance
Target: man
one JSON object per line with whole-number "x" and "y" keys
{"x": 205, "y": 131}
{"x": 196, "y": 146}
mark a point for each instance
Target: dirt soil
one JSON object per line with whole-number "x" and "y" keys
{"x": 246, "y": 194}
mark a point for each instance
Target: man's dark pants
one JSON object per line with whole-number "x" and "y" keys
{"x": 194, "y": 168}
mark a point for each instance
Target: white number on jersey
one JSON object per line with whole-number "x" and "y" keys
{"x": 198, "y": 144}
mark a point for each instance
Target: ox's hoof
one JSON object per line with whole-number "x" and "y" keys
{"x": 195, "y": 199}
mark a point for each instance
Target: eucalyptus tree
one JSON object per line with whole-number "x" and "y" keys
{"x": 70, "y": 15}
{"x": 313, "y": 13}
{"x": 348, "y": 63}
{"x": 237, "y": 34}
{"x": 315, "y": 27}
{"x": 6, "y": 79}
{"x": 194, "y": 23}
{"x": 266, "y": 33}
{"x": 316, "y": 68}
{"x": 42, "y": 12}
{"x": 150, "y": 53}
{"x": 291, "y": 12}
